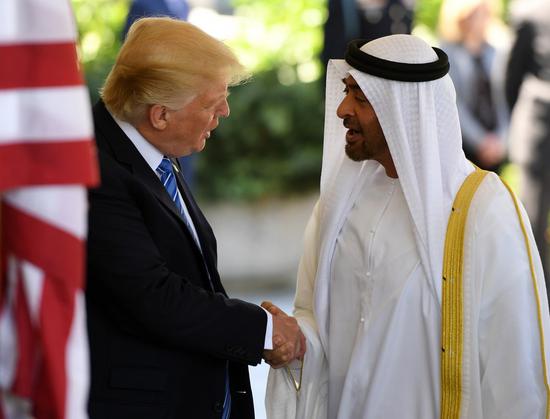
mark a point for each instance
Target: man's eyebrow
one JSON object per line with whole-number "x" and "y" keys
{"x": 217, "y": 98}
{"x": 351, "y": 85}
{"x": 223, "y": 96}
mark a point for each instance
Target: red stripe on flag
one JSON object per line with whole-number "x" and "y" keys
{"x": 3, "y": 273}
{"x": 56, "y": 318}
{"x": 39, "y": 65}
{"x": 27, "y": 348}
{"x": 55, "y": 251}
{"x": 42, "y": 163}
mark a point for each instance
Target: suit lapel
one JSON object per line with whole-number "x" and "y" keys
{"x": 188, "y": 199}
{"x": 192, "y": 208}
{"x": 200, "y": 223}
{"x": 126, "y": 153}
{"x": 151, "y": 180}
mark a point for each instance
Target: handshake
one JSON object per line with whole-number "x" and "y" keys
{"x": 288, "y": 341}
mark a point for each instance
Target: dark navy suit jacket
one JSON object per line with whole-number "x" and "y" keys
{"x": 162, "y": 330}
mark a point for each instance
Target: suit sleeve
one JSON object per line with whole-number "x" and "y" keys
{"x": 128, "y": 275}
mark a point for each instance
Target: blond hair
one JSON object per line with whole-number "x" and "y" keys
{"x": 166, "y": 61}
{"x": 452, "y": 12}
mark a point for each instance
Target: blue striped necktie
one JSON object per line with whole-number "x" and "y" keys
{"x": 227, "y": 402}
{"x": 168, "y": 179}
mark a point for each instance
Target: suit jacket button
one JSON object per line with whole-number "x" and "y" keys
{"x": 218, "y": 407}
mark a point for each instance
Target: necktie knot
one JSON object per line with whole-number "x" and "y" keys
{"x": 165, "y": 166}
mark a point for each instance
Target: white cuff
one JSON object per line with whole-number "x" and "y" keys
{"x": 268, "y": 341}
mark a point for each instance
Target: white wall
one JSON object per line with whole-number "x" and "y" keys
{"x": 261, "y": 241}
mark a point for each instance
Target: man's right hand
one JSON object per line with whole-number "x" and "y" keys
{"x": 288, "y": 341}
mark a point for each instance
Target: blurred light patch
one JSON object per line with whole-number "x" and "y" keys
{"x": 90, "y": 44}
{"x": 219, "y": 26}
{"x": 309, "y": 72}
{"x": 84, "y": 14}
{"x": 286, "y": 75}
{"x": 313, "y": 17}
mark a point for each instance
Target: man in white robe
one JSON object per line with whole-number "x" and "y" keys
{"x": 369, "y": 292}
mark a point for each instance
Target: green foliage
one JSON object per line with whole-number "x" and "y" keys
{"x": 427, "y": 13}
{"x": 283, "y": 33}
{"x": 100, "y": 24}
{"x": 272, "y": 142}
{"x": 269, "y": 146}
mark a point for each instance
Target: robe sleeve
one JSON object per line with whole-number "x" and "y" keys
{"x": 282, "y": 401}
{"x": 513, "y": 320}
{"x": 307, "y": 269}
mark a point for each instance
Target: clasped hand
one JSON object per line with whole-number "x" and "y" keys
{"x": 288, "y": 341}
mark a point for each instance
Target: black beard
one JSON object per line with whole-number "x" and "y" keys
{"x": 358, "y": 155}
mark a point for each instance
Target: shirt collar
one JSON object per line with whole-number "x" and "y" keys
{"x": 152, "y": 156}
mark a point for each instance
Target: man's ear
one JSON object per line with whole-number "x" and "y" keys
{"x": 158, "y": 117}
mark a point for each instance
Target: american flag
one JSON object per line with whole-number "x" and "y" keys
{"x": 47, "y": 159}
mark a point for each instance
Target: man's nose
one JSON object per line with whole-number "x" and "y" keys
{"x": 344, "y": 109}
{"x": 224, "y": 109}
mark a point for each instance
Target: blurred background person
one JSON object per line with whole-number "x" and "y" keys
{"x": 528, "y": 95}
{"x": 178, "y": 9}
{"x": 477, "y": 70}
{"x": 366, "y": 19}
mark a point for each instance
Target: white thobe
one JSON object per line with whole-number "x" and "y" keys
{"x": 393, "y": 357}
{"x": 374, "y": 257}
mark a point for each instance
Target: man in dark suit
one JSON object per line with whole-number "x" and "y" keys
{"x": 165, "y": 340}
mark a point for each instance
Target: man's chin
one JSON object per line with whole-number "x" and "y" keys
{"x": 200, "y": 146}
{"x": 354, "y": 155}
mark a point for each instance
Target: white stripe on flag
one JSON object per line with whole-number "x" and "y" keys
{"x": 65, "y": 207}
{"x": 45, "y": 114}
{"x": 23, "y": 21}
{"x": 76, "y": 361}
{"x": 33, "y": 281}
